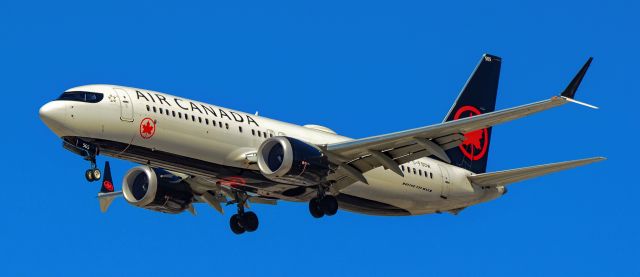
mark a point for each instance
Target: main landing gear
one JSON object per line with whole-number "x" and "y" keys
{"x": 243, "y": 221}
{"x": 323, "y": 204}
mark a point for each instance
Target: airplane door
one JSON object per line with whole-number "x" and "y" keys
{"x": 446, "y": 183}
{"x": 126, "y": 106}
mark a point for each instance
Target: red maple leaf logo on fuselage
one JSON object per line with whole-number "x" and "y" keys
{"x": 147, "y": 128}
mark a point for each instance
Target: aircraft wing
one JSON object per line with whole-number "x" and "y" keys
{"x": 506, "y": 177}
{"x": 390, "y": 150}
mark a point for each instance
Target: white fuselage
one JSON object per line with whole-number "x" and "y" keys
{"x": 208, "y": 134}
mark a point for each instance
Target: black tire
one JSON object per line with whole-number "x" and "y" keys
{"x": 234, "y": 223}
{"x": 329, "y": 205}
{"x": 315, "y": 209}
{"x": 89, "y": 175}
{"x": 249, "y": 221}
{"x": 96, "y": 174}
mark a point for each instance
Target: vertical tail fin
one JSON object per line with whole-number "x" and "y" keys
{"x": 478, "y": 96}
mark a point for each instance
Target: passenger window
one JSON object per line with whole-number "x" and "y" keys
{"x": 240, "y": 129}
{"x": 161, "y": 111}
{"x": 420, "y": 172}
{"x": 213, "y": 122}
{"x": 226, "y": 125}
{"x": 206, "y": 120}
{"x": 220, "y": 124}
{"x": 148, "y": 108}
{"x": 154, "y": 109}
{"x": 173, "y": 113}
{"x": 200, "y": 119}
{"x": 414, "y": 171}
{"x": 253, "y": 132}
{"x": 402, "y": 166}
{"x": 166, "y": 112}
{"x": 431, "y": 174}
{"x": 259, "y": 134}
{"x": 180, "y": 115}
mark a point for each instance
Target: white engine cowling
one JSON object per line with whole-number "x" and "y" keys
{"x": 156, "y": 190}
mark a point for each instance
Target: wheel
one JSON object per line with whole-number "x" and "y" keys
{"x": 234, "y": 223}
{"x": 89, "y": 175}
{"x": 96, "y": 174}
{"x": 329, "y": 205}
{"x": 249, "y": 221}
{"x": 315, "y": 209}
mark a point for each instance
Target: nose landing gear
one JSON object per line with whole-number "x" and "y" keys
{"x": 88, "y": 151}
{"x": 93, "y": 173}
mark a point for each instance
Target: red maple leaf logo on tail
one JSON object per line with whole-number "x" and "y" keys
{"x": 473, "y": 138}
{"x": 475, "y": 143}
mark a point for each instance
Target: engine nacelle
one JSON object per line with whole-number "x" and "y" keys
{"x": 156, "y": 190}
{"x": 292, "y": 161}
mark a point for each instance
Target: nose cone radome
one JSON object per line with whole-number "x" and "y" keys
{"x": 53, "y": 115}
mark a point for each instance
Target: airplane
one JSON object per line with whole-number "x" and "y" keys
{"x": 192, "y": 152}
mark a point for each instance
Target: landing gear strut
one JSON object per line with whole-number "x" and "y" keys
{"x": 323, "y": 204}
{"x": 243, "y": 221}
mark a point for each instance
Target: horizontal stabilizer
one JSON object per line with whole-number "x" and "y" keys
{"x": 106, "y": 198}
{"x": 505, "y": 177}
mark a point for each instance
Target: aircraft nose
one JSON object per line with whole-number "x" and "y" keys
{"x": 53, "y": 115}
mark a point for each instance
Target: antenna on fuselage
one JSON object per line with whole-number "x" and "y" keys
{"x": 257, "y": 114}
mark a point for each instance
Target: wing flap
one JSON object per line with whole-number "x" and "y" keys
{"x": 505, "y": 177}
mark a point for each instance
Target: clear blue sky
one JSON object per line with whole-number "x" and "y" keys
{"x": 362, "y": 68}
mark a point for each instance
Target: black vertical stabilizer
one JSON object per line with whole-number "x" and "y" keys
{"x": 478, "y": 96}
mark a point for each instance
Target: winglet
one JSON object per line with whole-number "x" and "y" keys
{"x": 571, "y": 89}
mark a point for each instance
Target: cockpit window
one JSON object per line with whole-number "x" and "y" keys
{"x": 82, "y": 96}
